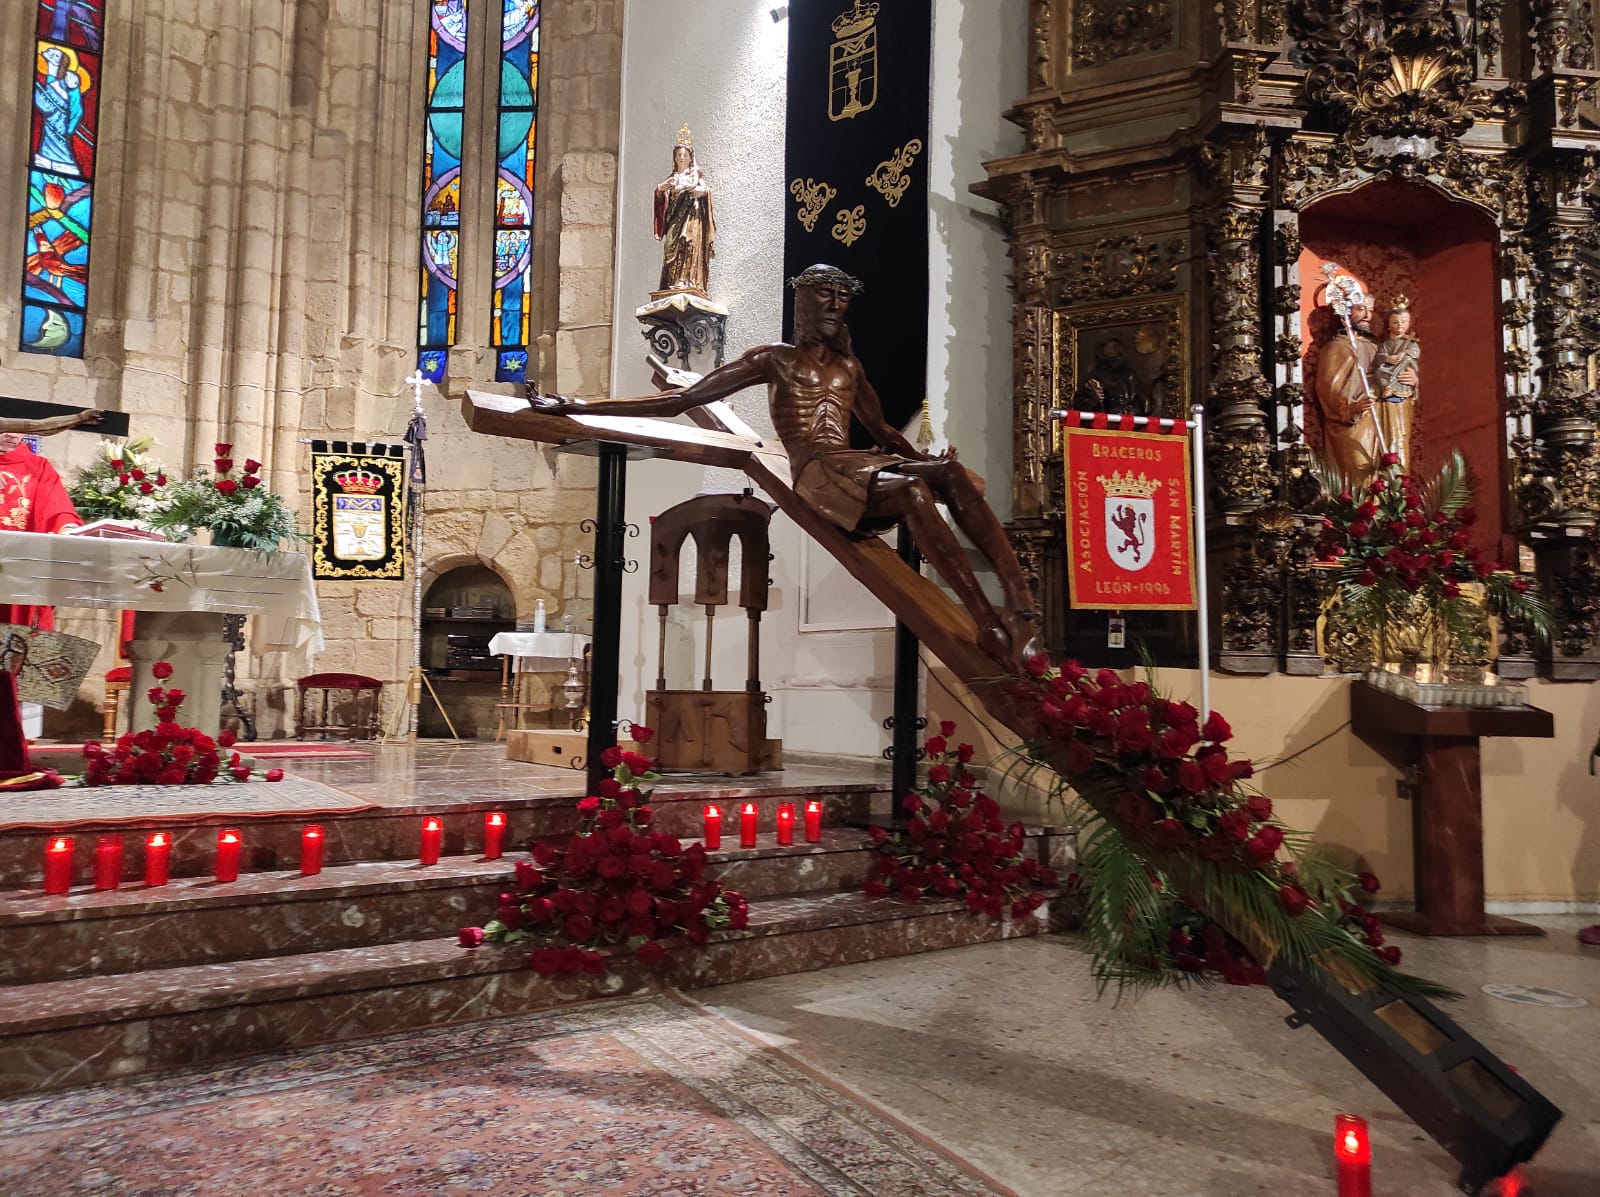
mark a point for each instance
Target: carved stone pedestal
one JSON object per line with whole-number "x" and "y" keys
{"x": 685, "y": 330}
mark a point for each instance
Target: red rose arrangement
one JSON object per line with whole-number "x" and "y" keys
{"x": 167, "y": 754}
{"x": 230, "y": 500}
{"x": 955, "y": 843}
{"x": 1398, "y": 543}
{"x": 1181, "y": 871}
{"x": 616, "y": 883}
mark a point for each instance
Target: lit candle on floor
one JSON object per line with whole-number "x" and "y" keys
{"x": 747, "y": 825}
{"x": 229, "y": 846}
{"x": 813, "y": 822}
{"x": 785, "y": 823}
{"x": 1353, "y": 1149}
{"x": 494, "y": 834}
{"x": 311, "y": 841}
{"x": 108, "y": 862}
{"x": 157, "y": 858}
{"x": 713, "y": 827}
{"x": 432, "y": 841}
{"x": 58, "y": 865}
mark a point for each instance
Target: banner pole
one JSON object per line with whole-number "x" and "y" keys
{"x": 1198, "y": 448}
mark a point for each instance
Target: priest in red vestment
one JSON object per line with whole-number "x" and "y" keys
{"x": 32, "y": 499}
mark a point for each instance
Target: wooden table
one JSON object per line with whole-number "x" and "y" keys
{"x": 1447, "y": 813}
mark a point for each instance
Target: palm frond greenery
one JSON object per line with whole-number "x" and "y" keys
{"x": 1185, "y": 876}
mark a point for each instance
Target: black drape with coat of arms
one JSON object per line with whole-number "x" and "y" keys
{"x": 856, "y": 169}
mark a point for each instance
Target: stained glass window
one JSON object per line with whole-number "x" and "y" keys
{"x": 61, "y": 147}
{"x": 441, "y": 184}
{"x": 517, "y": 130}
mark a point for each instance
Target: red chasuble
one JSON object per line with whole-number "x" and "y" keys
{"x": 32, "y": 499}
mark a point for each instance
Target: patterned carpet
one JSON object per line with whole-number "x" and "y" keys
{"x": 70, "y": 806}
{"x": 646, "y": 1097}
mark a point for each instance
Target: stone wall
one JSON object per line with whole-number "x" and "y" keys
{"x": 254, "y": 272}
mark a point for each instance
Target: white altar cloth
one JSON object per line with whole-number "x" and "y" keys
{"x": 539, "y": 651}
{"x": 149, "y": 575}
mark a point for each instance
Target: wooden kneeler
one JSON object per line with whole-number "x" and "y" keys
{"x": 710, "y": 730}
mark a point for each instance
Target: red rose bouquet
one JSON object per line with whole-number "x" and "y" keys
{"x": 1183, "y": 872}
{"x": 616, "y": 883}
{"x": 955, "y": 843}
{"x": 233, "y": 502}
{"x": 167, "y": 754}
{"x": 1408, "y": 574}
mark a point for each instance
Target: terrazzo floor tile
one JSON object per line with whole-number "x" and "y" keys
{"x": 1003, "y": 1054}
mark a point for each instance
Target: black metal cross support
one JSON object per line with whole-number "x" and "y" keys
{"x": 610, "y": 529}
{"x": 906, "y": 721}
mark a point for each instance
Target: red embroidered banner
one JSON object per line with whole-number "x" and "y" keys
{"x": 1130, "y": 542}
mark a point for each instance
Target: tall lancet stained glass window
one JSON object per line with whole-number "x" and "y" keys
{"x": 518, "y": 131}
{"x": 60, "y": 200}
{"x": 441, "y": 184}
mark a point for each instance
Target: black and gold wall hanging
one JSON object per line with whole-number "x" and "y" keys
{"x": 856, "y": 165}
{"x": 357, "y": 511}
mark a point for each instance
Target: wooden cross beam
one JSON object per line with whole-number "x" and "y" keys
{"x": 723, "y": 439}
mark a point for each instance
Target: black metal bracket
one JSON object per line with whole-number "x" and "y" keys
{"x": 904, "y": 752}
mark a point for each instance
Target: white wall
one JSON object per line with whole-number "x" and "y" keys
{"x": 719, "y": 66}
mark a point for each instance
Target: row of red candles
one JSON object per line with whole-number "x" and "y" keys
{"x": 749, "y": 819}
{"x": 230, "y": 844}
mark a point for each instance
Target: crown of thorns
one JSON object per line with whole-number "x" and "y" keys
{"x": 820, "y": 275}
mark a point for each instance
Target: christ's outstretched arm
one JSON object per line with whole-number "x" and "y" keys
{"x": 749, "y": 370}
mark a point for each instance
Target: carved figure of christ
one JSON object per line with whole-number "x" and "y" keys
{"x": 814, "y": 387}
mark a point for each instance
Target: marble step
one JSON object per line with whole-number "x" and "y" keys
{"x": 271, "y": 843}
{"x": 87, "y": 1029}
{"x": 198, "y": 920}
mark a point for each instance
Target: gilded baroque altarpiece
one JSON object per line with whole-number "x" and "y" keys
{"x": 1185, "y": 162}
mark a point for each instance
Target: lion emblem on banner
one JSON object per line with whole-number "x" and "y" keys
{"x": 1130, "y": 518}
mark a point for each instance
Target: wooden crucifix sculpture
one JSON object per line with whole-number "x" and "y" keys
{"x": 815, "y": 387}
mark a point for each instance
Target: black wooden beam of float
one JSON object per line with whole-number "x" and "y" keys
{"x": 1456, "y": 1090}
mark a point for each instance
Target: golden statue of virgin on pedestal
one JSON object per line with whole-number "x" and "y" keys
{"x": 684, "y": 224}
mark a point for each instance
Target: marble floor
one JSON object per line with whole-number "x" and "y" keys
{"x": 435, "y": 772}
{"x": 1003, "y": 1054}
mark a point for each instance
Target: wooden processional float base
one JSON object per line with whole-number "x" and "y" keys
{"x": 1469, "y": 1101}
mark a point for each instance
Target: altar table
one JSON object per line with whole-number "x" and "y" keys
{"x": 180, "y": 593}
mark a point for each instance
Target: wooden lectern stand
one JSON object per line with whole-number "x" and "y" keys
{"x": 1447, "y": 814}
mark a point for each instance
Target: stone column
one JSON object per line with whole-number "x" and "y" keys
{"x": 193, "y": 643}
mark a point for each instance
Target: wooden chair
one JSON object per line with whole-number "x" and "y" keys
{"x": 117, "y": 682}
{"x": 363, "y": 725}
{"x": 118, "y": 679}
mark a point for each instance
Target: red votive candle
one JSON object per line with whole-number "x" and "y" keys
{"x": 157, "y": 857}
{"x": 713, "y": 827}
{"x": 108, "y": 862}
{"x": 228, "y": 847}
{"x": 747, "y": 825}
{"x": 58, "y": 865}
{"x": 785, "y": 823}
{"x": 1352, "y": 1148}
{"x": 813, "y": 822}
{"x": 432, "y": 841}
{"x": 494, "y": 834}
{"x": 311, "y": 841}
